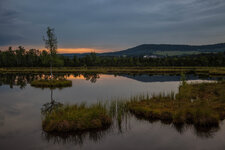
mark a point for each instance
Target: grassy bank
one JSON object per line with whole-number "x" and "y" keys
{"x": 150, "y": 70}
{"x": 76, "y": 118}
{"x": 51, "y": 83}
{"x": 200, "y": 104}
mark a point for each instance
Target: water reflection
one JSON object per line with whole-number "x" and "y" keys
{"x": 181, "y": 128}
{"x": 2, "y": 118}
{"x": 22, "y": 80}
{"x": 78, "y": 138}
{"x": 206, "y": 132}
{"x": 49, "y": 106}
{"x": 123, "y": 122}
{"x": 20, "y": 109}
{"x": 201, "y": 132}
{"x": 83, "y": 138}
{"x": 91, "y": 77}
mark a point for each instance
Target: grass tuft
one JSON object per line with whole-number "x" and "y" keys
{"x": 51, "y": 83}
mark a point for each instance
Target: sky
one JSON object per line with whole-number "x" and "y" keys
{"x": 111, "y": 25}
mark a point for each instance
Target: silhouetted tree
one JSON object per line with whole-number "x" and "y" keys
{"x": 51, "y": 45}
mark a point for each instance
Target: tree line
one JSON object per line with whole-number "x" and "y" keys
{"x": 36, "y": 58}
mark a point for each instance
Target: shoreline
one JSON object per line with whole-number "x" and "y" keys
{"x": 150, "y": 70}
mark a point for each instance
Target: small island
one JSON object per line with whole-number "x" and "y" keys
{"x": 75, "y": 118}
{"x": 51, "y": 83}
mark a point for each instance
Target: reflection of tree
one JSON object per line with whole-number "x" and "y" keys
{"x": 49, "y": 106}
{"x": 88, "y": 76}
{"x": 91, "y": 77}
{"x": 14, "y": 79}
{"x": 22, "y": 80}
{"x": 18, "y": 79}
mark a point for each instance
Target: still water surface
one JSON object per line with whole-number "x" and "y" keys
{"x": 20, "y": 115}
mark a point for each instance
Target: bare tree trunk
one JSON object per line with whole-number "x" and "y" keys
{"x": 51, "y": 68}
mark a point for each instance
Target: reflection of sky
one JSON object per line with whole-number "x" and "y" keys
{"x": 20, "y": 118}
{"x": 2, "y": 118}
{"x": 108, "y": 86}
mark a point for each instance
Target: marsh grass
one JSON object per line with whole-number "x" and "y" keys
{"x": 202, "y": 105}
{"x": 51, "y": 83}
{"x": 127, "y": 70}
{"x": 72, "y": 118}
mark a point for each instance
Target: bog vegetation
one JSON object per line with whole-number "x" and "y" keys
{"x": 200, "y": 104}
{"x": 65, "y": 118}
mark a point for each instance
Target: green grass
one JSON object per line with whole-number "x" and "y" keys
{"x": 202, "y": 105}
{"x": 76, "y": 118}
{"x": 51, "y": 83}
{"x": 150, "y": 70}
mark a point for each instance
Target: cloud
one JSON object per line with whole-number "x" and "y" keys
{"x": 113, "y": 24}
{"x": 7, "y": 25}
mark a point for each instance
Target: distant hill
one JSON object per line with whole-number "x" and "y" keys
{"x": 162, "y": 50}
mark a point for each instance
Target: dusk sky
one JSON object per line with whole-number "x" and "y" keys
{"x": 110, "y": 25}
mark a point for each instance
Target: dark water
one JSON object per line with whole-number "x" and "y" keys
{"x": 20, "y": 115}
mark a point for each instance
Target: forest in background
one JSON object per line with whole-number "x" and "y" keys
{"x": 21, "y": 57}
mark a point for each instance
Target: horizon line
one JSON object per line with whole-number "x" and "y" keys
{"x": 83, "y": 50}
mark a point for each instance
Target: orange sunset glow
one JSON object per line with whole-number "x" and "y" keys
{"x": 82, "y": 77}
{"x": 81, "y": 50}
{"x": 62, "y": 50}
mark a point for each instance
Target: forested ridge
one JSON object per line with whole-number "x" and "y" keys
{"x": 151, "y": 49}
{"x": 21, "y": 57}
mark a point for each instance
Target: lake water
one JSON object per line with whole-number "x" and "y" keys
{"x": 20, "y": 115}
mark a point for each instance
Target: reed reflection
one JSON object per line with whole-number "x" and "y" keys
{"x": 201, "y": 132}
